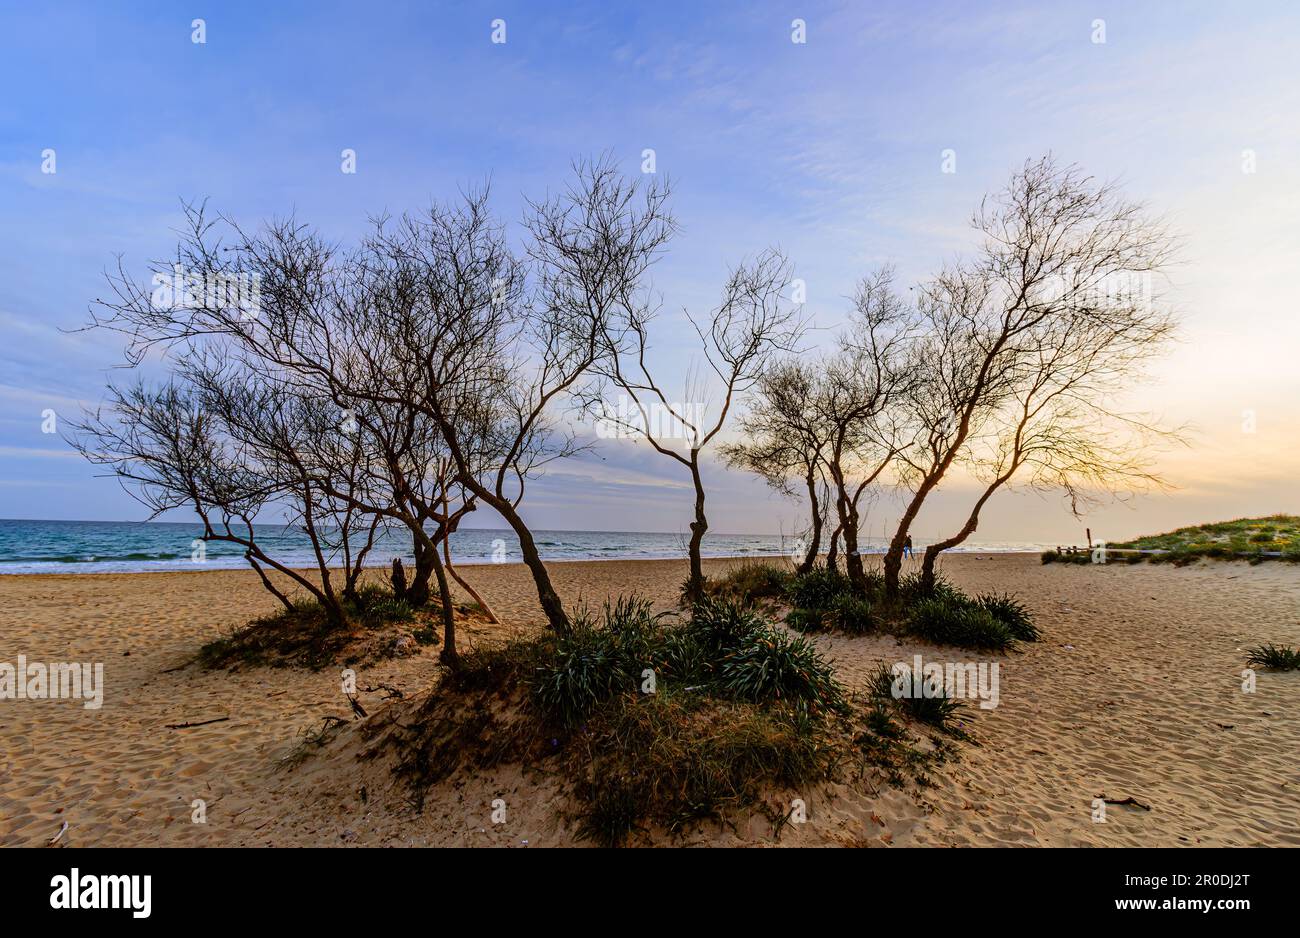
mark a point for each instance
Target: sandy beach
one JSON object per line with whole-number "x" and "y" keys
{"x": 1134, "y": 691}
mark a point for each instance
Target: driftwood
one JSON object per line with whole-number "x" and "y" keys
{"x": 185, "y": 726}
{"x": 1129, "y": 800}
{"x": 398, "y": 578}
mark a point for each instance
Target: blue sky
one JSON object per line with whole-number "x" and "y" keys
{"x": 830, "y": 149}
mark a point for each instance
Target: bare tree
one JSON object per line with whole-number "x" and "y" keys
{"x": 432, "y": 335}
{"x": 750, "y": 326}
{"x": 782, "y": 442}
{"x": 856, "y": 406}
{"x": 489, "y": 360}
{"x": 172, "y": 447}
{"x": 1025, "y": 347}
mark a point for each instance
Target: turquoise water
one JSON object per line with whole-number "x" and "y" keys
{"x": 127, "y": 547}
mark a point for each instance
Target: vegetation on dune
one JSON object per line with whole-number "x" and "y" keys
{"x": 378, "y": 625}
{"x": 1275, "y": 537}
{"x": 654, "y": 722}
{"x": 752, "y": 581}
{"x": 823, "y": 599}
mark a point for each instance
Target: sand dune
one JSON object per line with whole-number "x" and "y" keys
{"x": 1134, "y": 691}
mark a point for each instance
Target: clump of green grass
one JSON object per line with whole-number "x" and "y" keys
{"x": 773, "y": 666}
{"x": 721, "y": 624}
{"x": 922, "y": 700}
{"x": 946, "y": 620}
{"x": 823, "y": 599}
{"x": 602, "y": 656}
{"x": 374, "y": 606}
{"x": 854, "y": 615}
{"x": 808, "y": 620}
{"x": 886, "y": 744}
{"x": 668, "y": 760}
{"x": 726, "y": 645}
{"x": 1012, "y": 613}
{"x": 818, "y": 588}
{"x": 1274, "y": 657}
{"x": 750, "y": 582}
{"x": 912, "y": 589}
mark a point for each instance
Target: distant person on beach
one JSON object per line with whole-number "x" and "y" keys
{"x": 907, "y": 546}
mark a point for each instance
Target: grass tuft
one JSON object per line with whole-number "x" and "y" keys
{"x": 946, "y": 620}
{"x": 772, "y": 666}
{"x": 1274, "y": 657}
{"x": 751, "y": 582}
{"x": 923, "y": 700}
{"x": 1012, "y": 613}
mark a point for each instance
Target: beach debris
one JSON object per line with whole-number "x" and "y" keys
{"x": 56, "y": 837}
{"x": 185, "y": 726}
{"x": 1068, "y": 647}
{"x": 389, "y": 691}
{"x": 1130, "y": 800}
{"x": 356, "y": 707}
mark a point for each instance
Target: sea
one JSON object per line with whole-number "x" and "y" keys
{"x": 141, "y": 546}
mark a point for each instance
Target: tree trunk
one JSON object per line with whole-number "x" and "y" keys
{"x": 448, "y": 655}
{"x": 417, "y": 594}
{"x": 852, "y": 558}
{"x": 815, "y": 538}
{"x": 474, "y": 594}
{"x": 848, "y": 528}
{"x": 398, "y": 578}
{"x": 546, "y": 595}
{"x": 933, "y": 551}
{"x": 833, "y": 555}
{"x": 931, "y": 554}
{"x": 894, "y": 556}
{"x": 695, "y": 585}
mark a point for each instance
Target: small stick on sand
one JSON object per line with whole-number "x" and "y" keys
{"x": 185, "y": 726}
{"x": 1129, "y": 800}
